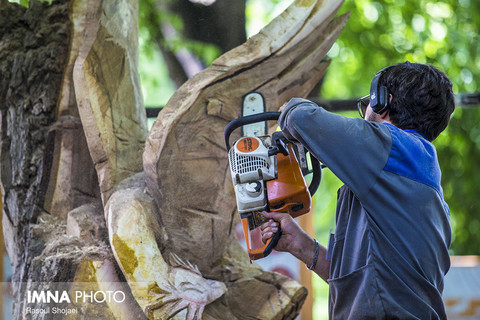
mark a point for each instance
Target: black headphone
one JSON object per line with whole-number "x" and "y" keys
{"x": 378, "y": 94}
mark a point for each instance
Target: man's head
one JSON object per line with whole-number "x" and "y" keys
{"x": 420, "y": 97}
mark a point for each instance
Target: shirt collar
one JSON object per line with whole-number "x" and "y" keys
{"x": 415, "y": 132}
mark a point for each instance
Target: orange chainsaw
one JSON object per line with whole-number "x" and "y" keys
{"x": 268, "y": 175}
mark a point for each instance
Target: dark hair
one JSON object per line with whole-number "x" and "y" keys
{"x": 422, "y": 98}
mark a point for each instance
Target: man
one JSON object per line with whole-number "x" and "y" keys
{"x": 389, "y": 255}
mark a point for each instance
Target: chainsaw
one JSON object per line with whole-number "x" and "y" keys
{"x": 268, "y": 175}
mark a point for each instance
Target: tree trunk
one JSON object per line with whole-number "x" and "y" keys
{"x": 53, "y": 221}
{"x": 89, "y": 207}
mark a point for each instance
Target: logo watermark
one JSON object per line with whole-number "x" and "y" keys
{"x": 47, "y": 296}
{"x": 71, "y": 298}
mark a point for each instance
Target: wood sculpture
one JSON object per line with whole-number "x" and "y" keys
{"x": 105, "y": 194}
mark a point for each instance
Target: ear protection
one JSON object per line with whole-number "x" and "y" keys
{"x": 378, "y": 94}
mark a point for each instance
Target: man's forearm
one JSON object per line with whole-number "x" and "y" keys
{"x": 305, "y": 252}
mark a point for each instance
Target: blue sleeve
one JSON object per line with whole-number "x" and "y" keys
{"x": 355, "y": 150}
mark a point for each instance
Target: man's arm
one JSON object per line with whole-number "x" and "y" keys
{"x": 295, "y": 241}
{"x": 355, "y": 150}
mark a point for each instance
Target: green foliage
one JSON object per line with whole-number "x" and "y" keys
{"x": 157, "y": 87}
{"x": 25, "y": 3}
{"x": 153, "y": 17}
{"x": 22, "y": 2}
{"x": 259, "y": 13}
{"x": 383, "y": 33}
{"x": 459, "y": 155}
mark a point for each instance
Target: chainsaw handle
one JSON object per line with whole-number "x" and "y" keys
{"x": 264, "y": 251}
{"x": 254, "y": 118}
{"x": 317, "y": 174}
{"x": 272, "y": 242}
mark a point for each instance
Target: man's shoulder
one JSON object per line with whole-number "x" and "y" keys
{"x": 414, "y": 157}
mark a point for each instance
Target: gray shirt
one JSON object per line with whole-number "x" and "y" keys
{"x": 390, "y": 252}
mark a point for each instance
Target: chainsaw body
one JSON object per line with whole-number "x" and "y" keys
{"x": 268, "y": 175}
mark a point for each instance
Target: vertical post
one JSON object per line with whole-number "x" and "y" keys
{"x": 306, "y": 222}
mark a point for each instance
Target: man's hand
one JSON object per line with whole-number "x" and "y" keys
{"x": 283, "y": 106}
{"x": 295, "y": 241}
{"x": 293, "y": 237}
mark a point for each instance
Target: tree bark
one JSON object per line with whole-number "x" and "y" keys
{"x": 31, "y": 62}
{"x": 56, "y": 236}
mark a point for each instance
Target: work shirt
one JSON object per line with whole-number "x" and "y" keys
{"x": 390, "y": 251}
